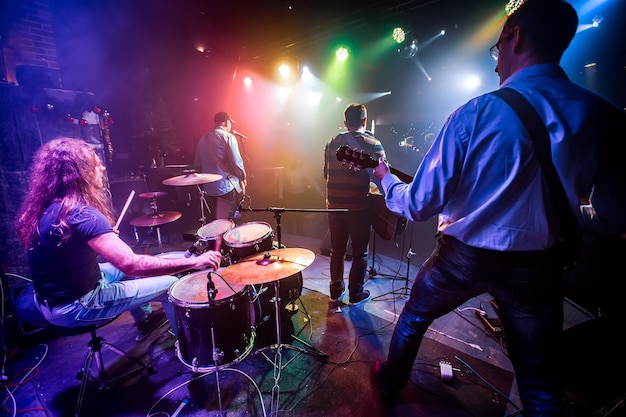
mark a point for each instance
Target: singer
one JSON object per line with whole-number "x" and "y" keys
{"x": 218, "y": 152}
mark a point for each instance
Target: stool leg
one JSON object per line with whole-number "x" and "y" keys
{"x": 85, "y": 374}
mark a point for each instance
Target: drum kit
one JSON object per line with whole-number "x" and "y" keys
{"x": 216, "y": 321}
{"x": 218, "y": 313}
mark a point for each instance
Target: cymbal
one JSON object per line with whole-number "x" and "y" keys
{"x": 192, "y": 179}
{"x": 153, "y": 194}
{"x": 268, "y": 266}
{"x": 156, "y": 219}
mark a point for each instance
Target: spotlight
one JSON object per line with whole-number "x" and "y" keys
{"x": 399, "y": 35}
{"x": 596, "y": 21}
{"x": 342, "y": 54}
{"x": 408, "y": 49}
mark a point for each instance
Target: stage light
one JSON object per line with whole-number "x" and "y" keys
{"x": 284, "y": 71}
{"x": 342, "y": 53}
{"x": 408, "y": 49}
{"x": 399, "y": 35}
{"x": 595, "y": 22}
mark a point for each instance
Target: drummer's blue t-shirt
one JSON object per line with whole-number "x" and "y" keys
{"x": 62, "y": 273}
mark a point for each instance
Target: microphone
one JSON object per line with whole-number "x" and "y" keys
{"x": 237, "y": 214}
{"x": 197, "y": 248}
{"x": 234, "y": 132}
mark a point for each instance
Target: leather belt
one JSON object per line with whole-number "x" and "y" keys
{"x": 50, "y": 304}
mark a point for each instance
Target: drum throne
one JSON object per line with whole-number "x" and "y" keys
{"x": 31, "y": 321}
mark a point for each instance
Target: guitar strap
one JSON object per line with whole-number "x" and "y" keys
{"x": 565, "y": 221}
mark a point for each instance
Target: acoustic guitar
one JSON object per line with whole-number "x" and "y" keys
{"x": 386, "y": 223}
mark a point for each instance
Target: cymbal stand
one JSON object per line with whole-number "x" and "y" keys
{"x": 405, "y": 290}
{"x": 155, "y": 212}
{"x": 216, "y": 355}
{"x": 203, "y": 205}
{"x": 277, "y": 363}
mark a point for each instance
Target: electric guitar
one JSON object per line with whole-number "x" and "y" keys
{"x": 386, "y": 223}
{"x": 358, "y": 160}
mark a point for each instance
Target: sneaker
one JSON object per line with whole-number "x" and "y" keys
{"x": 387, "y": 399}
{"x": 154, "y": 321}
{"x": 338, "y": 298}
{"x": 360, "y": 297}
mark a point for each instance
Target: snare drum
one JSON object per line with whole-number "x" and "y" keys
{"x": 226, "y": 317}
{"x": 174, "y": 255}
{"x": 248, "y": 239}
{"x": 212, "y": 233}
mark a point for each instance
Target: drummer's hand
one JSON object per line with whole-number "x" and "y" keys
{"x": 210, "y": 259}
{"x": 382, "y": 168}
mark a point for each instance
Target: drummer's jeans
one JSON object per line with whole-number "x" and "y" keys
{"x": 114, "y": 295}
{"x": 353, "y": 225}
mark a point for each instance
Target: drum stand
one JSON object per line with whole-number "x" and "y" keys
{"x": 203, "y": 205}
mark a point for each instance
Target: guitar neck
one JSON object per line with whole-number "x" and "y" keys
{"x": 403, "y": 177}
{"x": 360, "y": 159}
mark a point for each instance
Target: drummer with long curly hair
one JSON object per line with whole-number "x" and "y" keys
{"x": 79, "y": 265}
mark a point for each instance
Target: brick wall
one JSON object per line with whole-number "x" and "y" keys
{"x": 28, "y": 37}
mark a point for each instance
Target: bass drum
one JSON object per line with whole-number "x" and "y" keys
{"x": 222, "y": 321}
{"x": 248, "y": 239}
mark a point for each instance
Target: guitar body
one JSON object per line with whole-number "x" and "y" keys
{"x": 386, "y": 223}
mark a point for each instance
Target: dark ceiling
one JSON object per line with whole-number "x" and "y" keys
{"x": 131, "y": 52}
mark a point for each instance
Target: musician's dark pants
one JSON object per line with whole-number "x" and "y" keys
{"x": 223, "y": 206}
{"x": 528, "y": 288}
{"x": 354, "y": 225}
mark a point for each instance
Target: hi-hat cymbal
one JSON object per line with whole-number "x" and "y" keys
{"x": 192, "y": 179}
{"x": 153, "y": 194}
{"x": 156, "y": 219}
{"x": 268, "y": 266}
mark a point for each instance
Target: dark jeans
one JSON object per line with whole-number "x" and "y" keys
{"x": 223, "y": 206}
{"x": 354, "y": 225}
{"x": 529, "y": 290}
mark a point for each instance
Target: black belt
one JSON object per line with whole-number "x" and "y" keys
{"x": 51, "y": 303}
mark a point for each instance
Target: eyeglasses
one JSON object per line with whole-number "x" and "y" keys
{"x": 494, "y": 52}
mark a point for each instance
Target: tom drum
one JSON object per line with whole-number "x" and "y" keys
{"x": 248, "y": 239}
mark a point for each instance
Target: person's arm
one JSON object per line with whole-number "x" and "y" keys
{"x": 238, "y": 167}
{"x": 114, "y": 250}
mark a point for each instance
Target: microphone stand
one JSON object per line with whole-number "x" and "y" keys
{"x": 405, "y": 290}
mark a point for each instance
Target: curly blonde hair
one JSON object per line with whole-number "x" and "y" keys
{"x": 66, "y": 170}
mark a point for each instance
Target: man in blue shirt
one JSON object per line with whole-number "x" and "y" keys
{"x": 496, "y": 229}
{"x": 217, "y": 152}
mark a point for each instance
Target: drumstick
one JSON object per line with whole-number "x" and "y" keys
{"x": 128, "y": 200}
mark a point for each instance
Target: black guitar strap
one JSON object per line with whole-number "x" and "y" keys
{"x": 565, "y": 220}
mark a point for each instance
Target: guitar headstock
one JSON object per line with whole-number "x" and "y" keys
{"x": 357, "y": 159}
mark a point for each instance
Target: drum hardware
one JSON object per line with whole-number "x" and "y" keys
{"x": 156, "y": 218}
{"x": 273, "y": 266}
{"x": 153, "y": 194}
{"x": 192, "y": 178}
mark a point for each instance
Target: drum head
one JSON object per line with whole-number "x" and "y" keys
{"x": 215, "y": 228}
{"x": 247, "y": 233}
{"x": 192, "y": 289}
{"x": 171, "y": 255}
